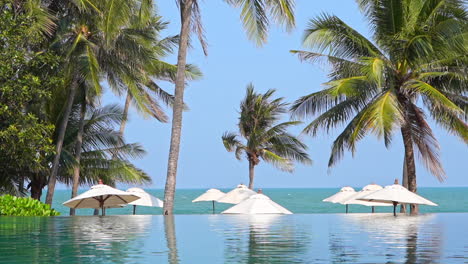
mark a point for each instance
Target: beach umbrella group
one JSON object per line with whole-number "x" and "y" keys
{"x": 375, "y": 195}
{"x": 246, "y": 201}
{"x": 102, "y": 196}
{"x": 396, "y": 194}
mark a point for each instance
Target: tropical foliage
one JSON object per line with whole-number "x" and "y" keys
{"x": 27, "y": 79}
{"x": 265, "y": 138}
{"x": 57, "y": 55}
{"x": 413, "y": 68}
{"x": 24, "y": 206}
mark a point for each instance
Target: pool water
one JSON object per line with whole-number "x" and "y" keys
{"x": 299, "y": 238}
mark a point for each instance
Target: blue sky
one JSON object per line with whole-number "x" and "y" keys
{"x": 232, "y": 63}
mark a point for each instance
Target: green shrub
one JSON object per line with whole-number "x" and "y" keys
{"x": 24, "y": 206}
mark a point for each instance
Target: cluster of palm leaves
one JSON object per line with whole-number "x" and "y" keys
{"x": 116, "y": 42}
{"x": 265, "y": 137}
{"x": 416, "y": 61}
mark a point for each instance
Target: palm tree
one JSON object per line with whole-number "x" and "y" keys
{"x": 254, "y": 16}
{"x": 265, "y": 138}
{"x": 104, "y": 153}
{"x": 417, "y": 59}
{"x": 116, "y": 41}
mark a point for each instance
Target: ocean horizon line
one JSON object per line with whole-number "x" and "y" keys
{"x": 266, "y": 188}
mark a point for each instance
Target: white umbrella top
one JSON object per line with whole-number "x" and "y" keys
{"x": 210, "y": 195}
{"x": 101, "y": 193}
{"x": 368, "y": 189}
{"x": 146, "y": 199}
{"x": 340, "y": 196}
{"x": 396, "y": 193}
{"x": 237, "y": 195}
{"x": 257, "y": 204}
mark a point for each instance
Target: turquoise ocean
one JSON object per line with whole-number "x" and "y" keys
{"x": 298, "y": 201}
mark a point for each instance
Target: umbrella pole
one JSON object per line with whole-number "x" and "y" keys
{"x": 134, "y": 209}
{"x": 394, "y": 208}
{"x": 213, "y": 207}
{"x": 346, "y": 208}
{"x": 373, "y": 209}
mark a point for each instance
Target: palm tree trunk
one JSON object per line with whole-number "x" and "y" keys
{"x": 404, "y": 183}
{"x": 78, "y": 144}
{"x": 125, "y": 114}
{"x": 37, "y": 183}
{"x": 58, "y": 148}
{"x": 169, "y": 191}
{"x": 410, "y": 165}
{"x": 251, "y": 174}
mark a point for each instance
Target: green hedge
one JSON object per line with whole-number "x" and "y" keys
{"x": 24, "y": 206}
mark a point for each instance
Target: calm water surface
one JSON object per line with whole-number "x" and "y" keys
{"x": 299, "y": 238}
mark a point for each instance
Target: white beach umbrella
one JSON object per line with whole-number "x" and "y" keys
{"x": 366, "y": 190}
{"x": 396, "y": 194}
{"x": 101, "y": 196}
{"x": 209, "y": 196}
{"x": 257, "y": 204}
{"x": 146, "y": 199}
{"x": 237, "y": 195}
{"x": 341, "y": 196}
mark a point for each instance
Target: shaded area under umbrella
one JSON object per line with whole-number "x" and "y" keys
{"x": 366, "y": 190}
{"x": 146, "y": 199}
{"x": 101, "y": 196}
{"x": 341, "y": 196}
{"x": 396, "y": 194}
{"x": 211, "y": 195}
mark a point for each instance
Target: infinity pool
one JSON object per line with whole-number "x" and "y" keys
{"x": 330, "y": 238}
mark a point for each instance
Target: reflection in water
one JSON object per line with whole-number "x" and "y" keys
{"x": 402, "y": 239}
{"x": 267, "y": 239}
{"x": 352, "y": 238}
{"x": 169, "y": 230}
{"x": 79, "y": 239}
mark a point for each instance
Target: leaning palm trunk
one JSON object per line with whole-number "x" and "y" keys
{"x": 410, "y": 164}
{"x": 78, "y": 144}
{"x": 58, "y": 148}
{"x": 169, "y": 191}
{"x": 125, "y": 114}
{"x": 251, "y": 174}
{"x": 404, "y": 183}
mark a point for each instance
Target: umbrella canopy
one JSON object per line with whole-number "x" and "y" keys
{"x": 368, "y": 189}
{"x": 146, "y": 199}
{"x": 395, "y": 194}
{"x": 340, "y": 196}
{"x": 257, "y": 204}
{"x": 237, "y": 195}
{"x": 101, "y": 196}
{"x": 210, "y": 195}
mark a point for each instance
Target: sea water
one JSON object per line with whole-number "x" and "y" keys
{"x": 298, "y": 201}
{"x": 299, "y": 238}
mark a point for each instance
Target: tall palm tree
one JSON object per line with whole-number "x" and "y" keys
{"x": 266, "y": 139}
{"x": 416, "y": 60}
{"x": 255, "y": 16}
{"x": 117, "y": 41}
